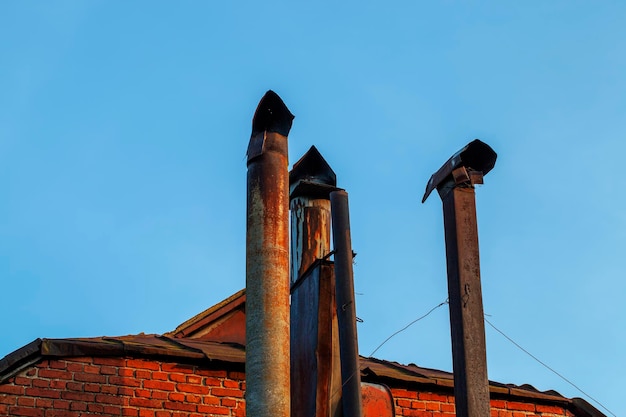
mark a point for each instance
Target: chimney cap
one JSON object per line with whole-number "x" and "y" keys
{"x": 312, "y": 176}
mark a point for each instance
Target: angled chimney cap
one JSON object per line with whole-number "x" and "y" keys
{"x": 312, "y": 176}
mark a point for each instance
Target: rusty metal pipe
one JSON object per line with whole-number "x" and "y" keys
{"x": 455, "y": 182}
{"x": 346, "y": 308}
{"x": 267, "y": 262}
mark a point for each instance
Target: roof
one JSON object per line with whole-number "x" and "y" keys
{"x": 210, "y": 353}
{"x": 202, "y": 340}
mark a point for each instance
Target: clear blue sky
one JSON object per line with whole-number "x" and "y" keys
{"x": 124, "y": 125}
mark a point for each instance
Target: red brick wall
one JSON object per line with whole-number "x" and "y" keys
{"x": 429, "y": 404}
{"x": 122, "y": 387}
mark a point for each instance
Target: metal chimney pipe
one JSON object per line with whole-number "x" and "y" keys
{"x": 346, "y": 308}
{"x": 267, "y": 261}
{"x": 455, "y": 182}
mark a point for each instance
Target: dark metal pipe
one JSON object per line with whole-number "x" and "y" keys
{"x": 455, "y": 182}
{"x": 267, "y": 262}
{"x": 346, "y": 308}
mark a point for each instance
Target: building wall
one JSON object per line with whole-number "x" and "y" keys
{"x": 430, "y": 404}
{"x": 150, "y": 388}
{"x": 122, "y": 387}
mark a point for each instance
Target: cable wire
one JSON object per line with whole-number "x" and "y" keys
{"x": 408, "y": 325}
{"x": 549, "y": 368}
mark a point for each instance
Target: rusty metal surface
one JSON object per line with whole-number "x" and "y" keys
{"x": 267, "y": 261}
{"x": 469, "y": 360}
{"x": 377, "y": 401}
{"x": 346, "y": 308}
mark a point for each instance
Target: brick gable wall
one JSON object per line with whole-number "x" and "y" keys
{"x": 429, "y": 404}
{"x": 149, "y": 388}
{"x": 122, "y": 387}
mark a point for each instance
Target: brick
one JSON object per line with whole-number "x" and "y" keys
{"x": 146, "y": 413}
{"x": 228, "y": 402}
{"x": 161, "y": 376}
{"x": 112, "y": 410}
{"x": 210, "y": 409}
{"x": 61, "y": 404}
{"x": 418, "y": 405}
{"x": 511, "y": 405}
{"x": 41, "y": 383}
{"x": 61, "y": 413}
{"x": 11, "y": 389}
{"x": 92, "y": 388}
{"x": 178, "y": 377}
{"x": 518, "y": 414}
{"x": 240, "y": 376}
{"x": 176, "y": 396}
{"x": 26, "y": 411}
{"x": 163, "y": 414}
{"x": 402, "y": 393}
{"x": 55, "y": 384}
{"x": 504, "y": 413}
{"x": 210, "y": 400}
{"x": 143, "y": 364}
{"x": 108, "y": 370}
{"x": 8, "y": 399}
{"x": 498, "y": 404}
{"x": 54, "y": 374}
{"x": 125, "y": 391}
{"x": 119, "y": 380}
{"x": 23, "y": 381}
{"x": 227, "y": 392}
{"x": 193, "y": 399}
{"x": 78, "y": 406}
{"x": 447, "y": 408}
{"x": 26, "y": 401}
{"x": 130, "y": 412}
{"x": 230, "y": 384}
{"x": 126, "y": 372}
{"x": 403, "y": 402}
{"x": 429, "y": 396}
{"x": 145, "y": 403}
{"x": 96, "y": 378}
{"x": 90, "y": 369}
{"x": 160, "y": 385}
{"x": 194, "y": 379}
{"x": 109, "y": 399}
{"x": 75, "y": 367}
{"x": 78, "y": 396}
{"x": 54, "y": 364}
{"x": 44, "y": 403}
{"x": 108, "y": 389}
{"x": 176, "y": 367}
{"x": 144, "y": 393}
{"x": 31, "y": 372}
{"x": 493, "y": 412}
{"x": 433, "y": 406}
{"x": 181, "y": 406}
{"x": 75, "y": 386}
{"x": 4, "y": 410}
{"x": 42, "y": 392}
{"x": 549, "y": 409}
{"x": 212, "y": 382}
{"x": 212, "y": 372}
{"x": 143, "y": 374}
{"x": 95, "y": 408}
{"x": 193, "y": 389}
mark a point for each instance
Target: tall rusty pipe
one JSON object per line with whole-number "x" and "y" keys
{"x": 310, "y": 182}
{"x": 346, "y": 308}
{"x": 267, "y": 261}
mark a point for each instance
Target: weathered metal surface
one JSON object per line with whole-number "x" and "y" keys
{"x": 476, "y": 155}
{"x": 466, "y": 307}
{"x": 346, "y": 308}
{"x": 316, "y": 374}
{"x": 455, "y": 184}
{"x": 267, "y": 262}
{"x": 377, "y": 401}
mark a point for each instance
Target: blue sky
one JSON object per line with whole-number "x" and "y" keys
{"x": 124, "y": 126}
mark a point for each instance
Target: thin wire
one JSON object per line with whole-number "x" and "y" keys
{"x": 338, "y": 390}
{"x": 548, "y": 367}
{"x": 408, "y": 325}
